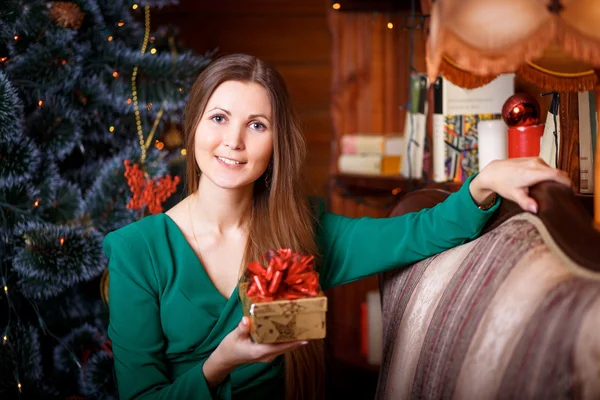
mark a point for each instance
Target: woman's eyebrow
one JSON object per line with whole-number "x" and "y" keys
{"x": 258, "y": 115}
{"x": 222, "y": 109}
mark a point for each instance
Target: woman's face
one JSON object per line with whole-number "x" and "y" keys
{"x": 234, "y": 140}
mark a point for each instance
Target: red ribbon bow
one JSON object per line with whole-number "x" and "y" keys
{"x": 288, "y": 276}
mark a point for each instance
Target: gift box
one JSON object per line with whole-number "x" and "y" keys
{"x": 282, "y": 297}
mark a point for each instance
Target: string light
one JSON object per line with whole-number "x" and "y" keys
{"x": 110, "y": 38}
{"x": 153, "y": 51}
{"x": 5, "y": 289}
{"x": 145, "y": 144}
{"x": 183, "y": 152}
{"x": 160, "y": 145}
{"x": 19, "y": 386}
{"x": 3, "y": 59}
{"x": 111, "y": 128}
{"x": 40, "y": 102}
{"x": 62, "y": 241}
{"x": 63, "y": 62}
{"x": 136, "y": 106}
{"x": 16, "y": 37}
{"x": 129, "y": 101}
{"x": 181, "y": 89}
{"x": 390, "y": 25}
{"x": 395, "y": 191}
{"x": 135, "y": 6}
{"x": 36, "y": 203}
{"x": 4, "y": 339}
{"x": 149, "y": 106}
{"x": 152, "y": 39}
{"x": 336, "y": 6}
{"x": 120, "y": 23}
{"x": 155, "y": 125}
{"x": 115, "y": 74}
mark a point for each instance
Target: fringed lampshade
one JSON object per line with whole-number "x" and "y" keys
{"x": 554, "y": 44}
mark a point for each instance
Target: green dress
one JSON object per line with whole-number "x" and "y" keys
{"x": 166, "y": 317}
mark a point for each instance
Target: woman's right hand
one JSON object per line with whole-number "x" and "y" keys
{"x": 237, "y": 348}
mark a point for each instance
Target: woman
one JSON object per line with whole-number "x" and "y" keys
{"x": 175, "y": 315}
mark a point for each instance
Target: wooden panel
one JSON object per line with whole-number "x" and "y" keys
{"x": 287, "y": 39}
{"x": 568, "y": 157}
{"x": 253, "y": 7}
{"x": 295, "y": 39}
{"x": 317, "y": 182}
{"x": 379, "y": 6}
{"x": 308, "y": 85}
{"x": 318, "y": 153}
{"x": 317, "y": 131}
{"x": 317, "y": 126}
{"x": 317, "y": 167}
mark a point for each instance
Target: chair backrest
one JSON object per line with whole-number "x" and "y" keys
{"x": 512, "y": 314}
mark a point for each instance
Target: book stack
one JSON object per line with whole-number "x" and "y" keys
{"x": 371, "y": 154}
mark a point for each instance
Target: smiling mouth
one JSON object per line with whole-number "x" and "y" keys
{"x": 229, "y": 161}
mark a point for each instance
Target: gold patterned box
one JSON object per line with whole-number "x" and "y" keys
{"x": 281, "y": 321}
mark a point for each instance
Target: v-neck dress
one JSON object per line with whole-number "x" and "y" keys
{"x": 167, "y": 317}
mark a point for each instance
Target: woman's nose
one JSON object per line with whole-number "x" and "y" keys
{"x": 234, "y": 138}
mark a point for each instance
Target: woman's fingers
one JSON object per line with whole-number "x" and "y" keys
{"x": 522, "y": 198}
{"x": 270, "y": 351}
{"x": 283, "y": 347}
{"x": 265, "y": 351}
{"x": 559, "y": 176}
{"x": 536, "y": 171}
{"x": 243, "y": 328}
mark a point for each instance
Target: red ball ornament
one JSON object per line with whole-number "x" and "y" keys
{"x": 521, "y": 109}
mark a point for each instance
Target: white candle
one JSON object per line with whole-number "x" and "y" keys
{"x": 493, "y": 142}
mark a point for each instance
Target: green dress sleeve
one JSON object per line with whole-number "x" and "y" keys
{"x": 354, "y": 248}
{"x": 135, "y": 328}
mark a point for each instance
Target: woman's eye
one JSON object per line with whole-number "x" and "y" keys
{"x": 258, "y": 126}
{"x": 218, "y": 118}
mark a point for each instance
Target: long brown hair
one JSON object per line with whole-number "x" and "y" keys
{"x": 281, "y": 214}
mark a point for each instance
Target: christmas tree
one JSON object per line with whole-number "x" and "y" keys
{"x": 87, "y": 88}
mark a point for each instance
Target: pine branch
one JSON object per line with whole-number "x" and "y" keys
{"x": 52, "y": 258}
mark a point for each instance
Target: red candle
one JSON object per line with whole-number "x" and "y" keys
{"x": 524, "y": 141}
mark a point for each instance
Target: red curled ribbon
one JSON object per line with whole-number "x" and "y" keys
{"x": 287, "y": 275}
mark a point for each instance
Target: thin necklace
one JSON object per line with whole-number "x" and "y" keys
{"x": 192, "y": 222}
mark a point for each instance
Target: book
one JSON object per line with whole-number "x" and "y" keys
{"x": 357, "y": 143}
{"x": 455, "y": 119}
{"x": 414, "y": 129}
{"x": 550, "y": 142}
{"x": 587, "y": 139}
{"x": 369, "y": 164}
{"x": 461, "y": 150}
{"x": 375, "y": 331}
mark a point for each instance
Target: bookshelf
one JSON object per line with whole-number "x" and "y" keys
{"x": 389, "y": 184}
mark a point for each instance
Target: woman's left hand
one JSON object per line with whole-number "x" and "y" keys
{"x": 512, "y": 178}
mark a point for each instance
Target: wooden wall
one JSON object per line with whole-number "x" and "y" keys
{"x": 291, "y": 34}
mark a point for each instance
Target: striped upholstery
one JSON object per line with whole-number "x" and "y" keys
{"x": 506, "y": 316}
